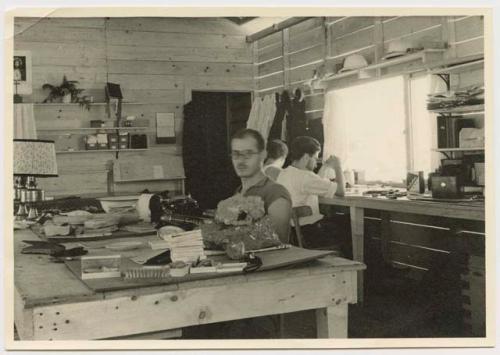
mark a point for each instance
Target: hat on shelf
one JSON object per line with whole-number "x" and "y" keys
{"x": 353, "y": 62}
{"x": 398, "y": 48}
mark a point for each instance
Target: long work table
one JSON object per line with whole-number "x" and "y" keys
{"x": 52, "y": 304}
{"x": 358, "y": 204}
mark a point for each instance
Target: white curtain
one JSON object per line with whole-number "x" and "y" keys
{"x": 24, "y": 122}
{"x": 364, "y": 126}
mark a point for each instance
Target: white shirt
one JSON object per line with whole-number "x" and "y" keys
{"x": 304, "y": 187}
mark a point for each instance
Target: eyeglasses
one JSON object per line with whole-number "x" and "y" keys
{"x": 245, "y": 154}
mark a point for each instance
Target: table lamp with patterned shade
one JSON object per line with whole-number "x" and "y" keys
{"x": 32, "y": 158}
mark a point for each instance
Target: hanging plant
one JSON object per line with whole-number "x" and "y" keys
{"x": 66, "y": 89}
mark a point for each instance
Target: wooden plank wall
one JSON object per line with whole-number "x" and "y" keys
{"x": 157, "y": 61}
{"x": 323, "y": 43}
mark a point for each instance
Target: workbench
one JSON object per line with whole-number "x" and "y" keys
{"x": 52, "y": 304}
{"x": 358, "y": 204}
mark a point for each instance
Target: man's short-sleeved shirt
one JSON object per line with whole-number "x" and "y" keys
{"x": 304, "y": 187}
{"x": 269, "y": 191}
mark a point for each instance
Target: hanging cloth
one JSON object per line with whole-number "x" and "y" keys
{"x": 24, "y": 122}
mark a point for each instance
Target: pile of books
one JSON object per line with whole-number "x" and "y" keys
{"x": 186, "y": 246}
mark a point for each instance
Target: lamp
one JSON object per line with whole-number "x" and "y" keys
{"x": 32, "y": 158}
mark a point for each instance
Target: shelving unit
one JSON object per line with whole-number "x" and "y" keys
{"x": 458, "y": 149}
{"x": 463, "y": 110}
{"x": 92, "y": 129}
{"x": 425, "y": 57}
{"x": 100, "y": 150}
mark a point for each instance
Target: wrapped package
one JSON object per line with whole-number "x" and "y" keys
{"x": 240, "y": 225}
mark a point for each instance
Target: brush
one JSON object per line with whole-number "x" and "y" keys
{"x": 147, "y": 272}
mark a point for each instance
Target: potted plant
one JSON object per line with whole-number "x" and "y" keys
{"x": 67, "y": 92}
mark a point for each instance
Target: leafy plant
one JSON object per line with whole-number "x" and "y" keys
{"x": 66, "y": 87}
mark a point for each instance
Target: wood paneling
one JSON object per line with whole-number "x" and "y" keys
{"x": 307, "y": 56}
{"x": 183, "y": 40}
{"x": 200, "y": 25}
{"x": 403, "y": 26}
{"x": 155, "y": 60}
{"x": 469, "y": 27}
{"x": 189, "y": 54}
{"x": 179, "y": 68}
{"x": 307, "y": 39}
{"x": 348, "y": 25}
{"x": 475, "y": 46}
{"x": 270, "y": 52}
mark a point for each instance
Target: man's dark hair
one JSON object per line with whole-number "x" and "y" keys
{"x": 247, "y": 132}
{"x": 303, "y": 145}
{"x": 276, "y": 149}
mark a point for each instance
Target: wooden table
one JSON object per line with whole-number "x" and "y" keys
{"x": 357, "y": 205}
{"x": 52, "y": 304}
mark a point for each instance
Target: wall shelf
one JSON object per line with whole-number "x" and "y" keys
{"x": 458, "y": 149}
{"x": 451, "y": 66}
{"x": 469, "y": 110}
{"x": 91, "y": 129}
{"x": 77, "y": 104}
{"x": 152, "y": 179}
{"x": 100, "y": 150}
{"x": 425, "y": 56}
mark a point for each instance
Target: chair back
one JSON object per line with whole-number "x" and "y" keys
{"x": 297, "y": 213}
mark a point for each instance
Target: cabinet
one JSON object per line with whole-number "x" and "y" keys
{"x": 68, "y": 124}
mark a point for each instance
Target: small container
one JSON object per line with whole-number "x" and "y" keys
{"x": 179, "y": 269}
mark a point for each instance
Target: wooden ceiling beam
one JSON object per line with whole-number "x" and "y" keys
{"x": 275, "y": 28}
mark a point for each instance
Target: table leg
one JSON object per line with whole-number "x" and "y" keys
{"x": 331, "y": 322}
{"x": 358, "y": 235}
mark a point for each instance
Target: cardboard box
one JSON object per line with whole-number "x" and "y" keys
{"x": 113, "y": 146}
{"x": 122, "y": 145}
{"x": 112, "y": 138}
{"x": 102, "y": 146}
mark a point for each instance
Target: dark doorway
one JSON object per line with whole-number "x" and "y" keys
{"x": 209, "y": 121}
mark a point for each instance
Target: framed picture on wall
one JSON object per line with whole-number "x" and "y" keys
{"x": 22, "y": 73}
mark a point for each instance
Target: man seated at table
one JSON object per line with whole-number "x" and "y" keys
{"x": 248, "y": 152}
{"x": 277, "y": 152}
{"x": 305, "y": 186}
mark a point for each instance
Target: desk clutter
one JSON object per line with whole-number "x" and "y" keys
{"x": 119, "y": 249}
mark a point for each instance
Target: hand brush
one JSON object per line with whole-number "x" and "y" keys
{"x": 147, "y": 272}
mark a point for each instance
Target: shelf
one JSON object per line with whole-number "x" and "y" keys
{"x": 457, "y": 149}
{"x": 151, "y": 179}
{"x": 90, "y": 129}
{"x": 472, "y": 62}
{"x": 77, "y": 104}
{"x": 464, "y": 110}
{"x": 100, "y": 150}
{"x": 424, "y": 55}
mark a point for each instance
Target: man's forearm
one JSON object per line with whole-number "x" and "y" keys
{"x": 339, "y": 178}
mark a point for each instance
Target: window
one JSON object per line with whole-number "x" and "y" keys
{"x": 366, "y": 125}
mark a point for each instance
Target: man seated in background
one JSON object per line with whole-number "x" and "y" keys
{"x": 248, "y": 151}
{"x": 277, "y": 152}
{"x": 305, "y": 186}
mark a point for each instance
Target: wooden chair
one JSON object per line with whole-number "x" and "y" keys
{"x": 304, "y": 211}
{"x": 298, "y": 212}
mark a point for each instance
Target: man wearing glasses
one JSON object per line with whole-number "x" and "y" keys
{"x": 248, "y": 152}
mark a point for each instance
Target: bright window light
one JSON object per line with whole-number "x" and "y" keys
{"x": 365, "y": 126}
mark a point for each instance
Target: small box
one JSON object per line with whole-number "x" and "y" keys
{"x": 100, "y": 267}
{"x": 445, "y": 187}
{"x": 479, "y": 177}
{"x": 102, "y": 146}
{"x": 112, "y": 138}
{"x": 113, "y": 146}
{"x": 122, "y": 145}
{"x": 91, "y": 146}
{"x": 140, "y": 122}
{"x": 96, "y": 123}
{"x": 123, "y": 138}
{"x": 138, "y": 141}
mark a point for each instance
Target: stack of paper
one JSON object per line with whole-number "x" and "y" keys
{"x": 186, "y": 246}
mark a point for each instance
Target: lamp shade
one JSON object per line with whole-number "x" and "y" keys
{"x": 34, "y": 157}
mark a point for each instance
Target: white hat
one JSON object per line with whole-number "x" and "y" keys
{"x": 353, "y": 62}
{"x": 398, "y": 48}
